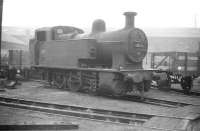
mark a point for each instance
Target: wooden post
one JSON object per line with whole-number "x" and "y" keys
{"x": 185, "y": 63}
{"x": 20, "y": 59}
{"x": 10, "y": 58}
{"x": 152, "y": 60}
{"x": 173, "y": 58}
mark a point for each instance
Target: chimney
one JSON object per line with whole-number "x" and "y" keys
{"x": 130, "y": 19}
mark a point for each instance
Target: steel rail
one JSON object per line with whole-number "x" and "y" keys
{"x": 45, "y": 127}
{"x": 29, "y": 103}
{"x": 78, "y": 111}
{"x": 153, "y": 101}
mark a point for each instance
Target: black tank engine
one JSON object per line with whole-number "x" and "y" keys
{"x": 100, "y": 61}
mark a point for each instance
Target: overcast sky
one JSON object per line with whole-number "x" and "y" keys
{"x": 81, "y": 13}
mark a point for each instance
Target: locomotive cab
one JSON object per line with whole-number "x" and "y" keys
{"x": 57, "y": 33}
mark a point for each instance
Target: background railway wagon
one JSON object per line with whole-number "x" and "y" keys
{"x": 175, "y": 49}
{"x": 186, "y": 63}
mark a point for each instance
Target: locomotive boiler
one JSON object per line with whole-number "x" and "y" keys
{"x": 106, "y": 62}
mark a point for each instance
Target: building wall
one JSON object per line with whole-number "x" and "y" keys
{"x": 178, "y": 44}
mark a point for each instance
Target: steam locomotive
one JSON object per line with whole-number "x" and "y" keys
{"x": 105, "y": 62}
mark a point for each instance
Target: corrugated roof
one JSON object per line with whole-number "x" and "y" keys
{"x": 172, "y": 32}
{"x": 19, "y": 35}
{"x": 9, "y": 38}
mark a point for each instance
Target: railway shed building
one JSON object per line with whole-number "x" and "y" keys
{"x": 13, "y": 38}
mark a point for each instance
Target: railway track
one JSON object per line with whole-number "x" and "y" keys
{"x": 191, "y": 93}
{"x": 102, "y": 115}
{"x": 78, "y": 111}
{"x": 152, "y": 101}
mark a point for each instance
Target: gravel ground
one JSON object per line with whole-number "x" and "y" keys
{"x": 35, "y": 91}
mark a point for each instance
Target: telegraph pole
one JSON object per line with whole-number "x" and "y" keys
{"x": 1, "y": 14}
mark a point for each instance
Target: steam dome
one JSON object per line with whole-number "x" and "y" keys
{"x": 98, "y": 26}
